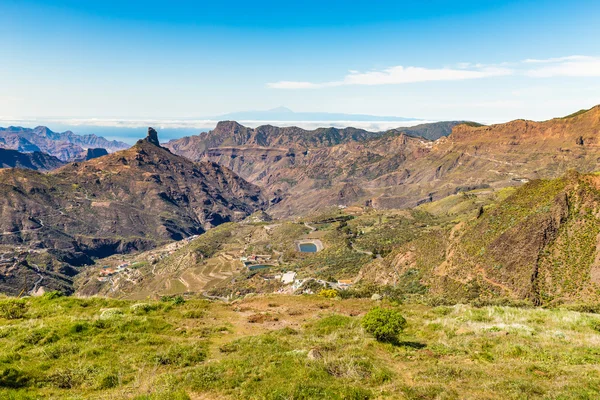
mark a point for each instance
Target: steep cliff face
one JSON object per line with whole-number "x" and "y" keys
{"x": 95, "y": 153}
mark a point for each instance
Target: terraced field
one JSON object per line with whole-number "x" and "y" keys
{"x": 196, "y": 278}
{"x": 207, "y": 276}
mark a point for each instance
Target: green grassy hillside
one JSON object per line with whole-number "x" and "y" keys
{"x": 291, "y": 347}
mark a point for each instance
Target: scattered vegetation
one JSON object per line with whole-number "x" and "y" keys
{"x": 64, "y": 347}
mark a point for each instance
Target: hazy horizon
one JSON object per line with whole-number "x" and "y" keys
{"x": 129, "y": 130}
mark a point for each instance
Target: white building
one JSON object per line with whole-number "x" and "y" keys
{"x": 288, "y": 277}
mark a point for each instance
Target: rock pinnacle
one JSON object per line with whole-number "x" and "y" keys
{"x": 152, "y": 136}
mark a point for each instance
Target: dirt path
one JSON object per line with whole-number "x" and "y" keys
{"x": 494, "y": 160}
{"x": 312, "y": 228}
{"x": 369, "y": 253}
{"x": 492, "y": 282}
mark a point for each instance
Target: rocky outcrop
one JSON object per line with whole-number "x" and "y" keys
{"x": 152, "y": 136}
{"x": 95, "y": 153}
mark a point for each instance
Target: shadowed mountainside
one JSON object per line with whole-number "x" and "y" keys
{"x": 36, "y": 160}
{"x": 129, "y": 200}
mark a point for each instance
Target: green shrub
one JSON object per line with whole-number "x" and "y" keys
{"x": 182, "y": 355}
{"x": 79, "y": 327}
{"x": 69, "y": 378}
{"x": 585, "y": 308}
{"x": 383, "y": 323}
{"x": 142, "y": 308}
{"x": 328, "y": 293}
{"x": 53, "y": 295}
{"x": 13, "y": 378}
{"x": 108, "y": 381}
{"x": 176, "y": 300}
{"x": 13, "y": 309}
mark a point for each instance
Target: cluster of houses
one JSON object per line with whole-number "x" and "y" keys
{"x": 292, "y": 284}
{"x": 107, "y": 271}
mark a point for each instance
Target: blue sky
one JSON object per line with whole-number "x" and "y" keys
{"x": 479, "y": 60}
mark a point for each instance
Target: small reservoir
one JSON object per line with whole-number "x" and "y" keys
{"x": 308, "y": 247}
{"x": 257, "y": 267}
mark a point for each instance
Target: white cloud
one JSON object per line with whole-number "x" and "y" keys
{"x": 574, "y": 66}
{"x": 553, "y": 60}
{"x": 399, "y": 75}
{"x": 569, "y": 66}
{"x": 293, "y": 85}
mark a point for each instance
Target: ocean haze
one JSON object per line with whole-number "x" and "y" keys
{"x": 131, "y": 129}
{"x": 131, "y": 133}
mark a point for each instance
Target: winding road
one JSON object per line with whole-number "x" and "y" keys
{"x": 369, "y": 253}
{"x": 40, "y": 279}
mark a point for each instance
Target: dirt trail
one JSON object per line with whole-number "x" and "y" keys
{"x": 312, "y": 228}
{"x": 492, "y": 282}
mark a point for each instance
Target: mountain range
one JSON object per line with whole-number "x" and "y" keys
{"x": 444, "y": 194}
{"x": 308, "y": 170}
{"x": 66, "y": 146}
{"x": 129, "y": 200}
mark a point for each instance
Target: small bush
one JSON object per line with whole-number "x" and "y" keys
{"x": 53, "y": 295}
{"x": 13, "y": 309}
{"x": 13, "y": 378}
{"x": 182, "y": 355}
{"x": 328, "y": 293}
{"x": 79, "y": 327}
{"x": 384, "y": 323}
{"x": 108, "y": 381}
{"x": 176, "y": 300}
{"x": 262, "y": 317}
{"x": 69, "y": 378}
{"x": 142, "y": 308}
{"x": 584, "y": 308}
{"x": 110, "y": 313}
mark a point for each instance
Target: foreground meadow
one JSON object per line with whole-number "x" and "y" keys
{"x": 291, "y": 347}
